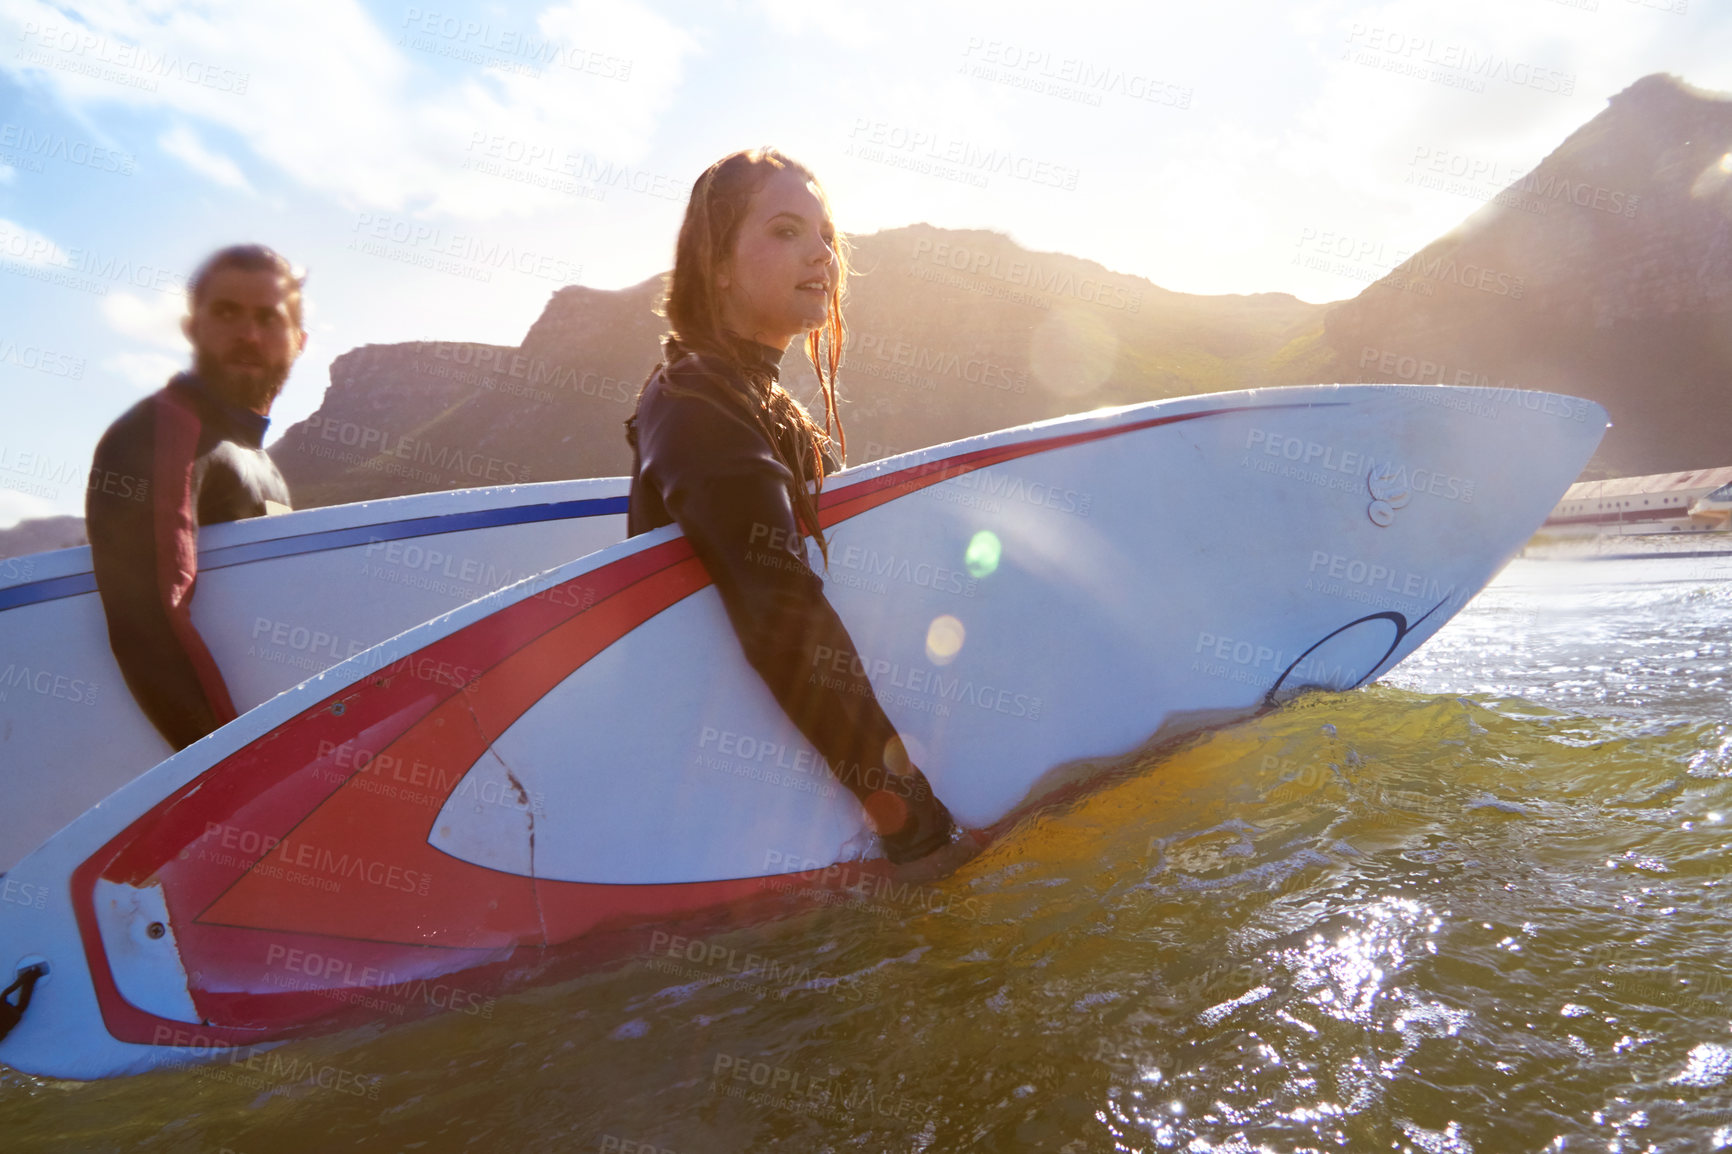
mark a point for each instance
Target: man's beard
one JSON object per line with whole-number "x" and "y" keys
{"x": 257, "y": 392}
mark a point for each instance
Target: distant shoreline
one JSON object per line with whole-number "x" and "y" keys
{"x": 1629, "y": 547}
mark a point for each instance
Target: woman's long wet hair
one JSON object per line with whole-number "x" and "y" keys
{"x": 719, "y": 203}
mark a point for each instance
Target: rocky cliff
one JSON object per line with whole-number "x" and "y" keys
{"x": 1605, "y": 272}
{"x": 950, "y": 334}
{"x": 41, "y": 535}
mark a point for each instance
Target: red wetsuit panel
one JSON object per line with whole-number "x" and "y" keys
{"x": 151, "y": 485}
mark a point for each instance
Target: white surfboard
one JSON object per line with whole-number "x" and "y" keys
{"x": 572, "y": 757}
{"x": 279, "y": 599}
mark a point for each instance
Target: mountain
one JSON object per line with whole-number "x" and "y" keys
{"x": 951, "y": 333}
{"x": 41, "y": 535}
{"x": 1606, "y": 272}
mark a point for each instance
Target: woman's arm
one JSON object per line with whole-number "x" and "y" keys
{"x": 728, "y": 493}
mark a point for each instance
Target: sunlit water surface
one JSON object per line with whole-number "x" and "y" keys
{"x": 1481, "y": 906}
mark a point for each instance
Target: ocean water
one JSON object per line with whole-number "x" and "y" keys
{"x": 1480, "y": 906}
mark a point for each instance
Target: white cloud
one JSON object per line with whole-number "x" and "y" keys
{"x": 152, "y": 320}
{"x": 155, "y": 320}
{"x": 144, "y": 370}
{"x": 380, "y": 124}
{"x": 182, "y": 144}
{"x": 27, "y": 246}
{"x": 848, "y": 23}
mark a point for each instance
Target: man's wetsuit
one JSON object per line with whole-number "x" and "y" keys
{"x": 178, "y": 459}
{"x": 700, "y": 461}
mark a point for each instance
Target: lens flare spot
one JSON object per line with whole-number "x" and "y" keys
{"x": 984, "y": 550}
{"x": 944, "y": 639}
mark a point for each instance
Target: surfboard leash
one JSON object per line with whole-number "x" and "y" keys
{"x": 11, "y": 1013}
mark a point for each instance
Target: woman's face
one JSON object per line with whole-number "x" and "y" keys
{"x": 776, "y": 283}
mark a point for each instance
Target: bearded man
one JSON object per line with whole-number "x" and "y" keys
{"x": 191, "y": 454}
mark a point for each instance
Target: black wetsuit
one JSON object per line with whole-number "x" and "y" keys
{"x": 700, "y": 461}
{"x": 178, "y": 459}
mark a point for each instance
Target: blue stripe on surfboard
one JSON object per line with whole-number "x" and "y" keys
{"x": 73, "y": 584}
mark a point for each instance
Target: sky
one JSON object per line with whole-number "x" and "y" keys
{"x": 439, "y": 169}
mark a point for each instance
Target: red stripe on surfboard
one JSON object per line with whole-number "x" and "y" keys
{"x": 431, "y": 713}
{"x": 839, "y": 505}
{"x": 443, "y": 900}
{"x": 197, "y": 840}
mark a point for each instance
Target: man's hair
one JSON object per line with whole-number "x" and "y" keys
{"x": 247, "y": 258}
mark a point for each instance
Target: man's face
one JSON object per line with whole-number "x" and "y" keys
{"x": 243, "y": 337}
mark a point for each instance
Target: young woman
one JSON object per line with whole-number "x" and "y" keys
{"x": 719, "y": 447}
